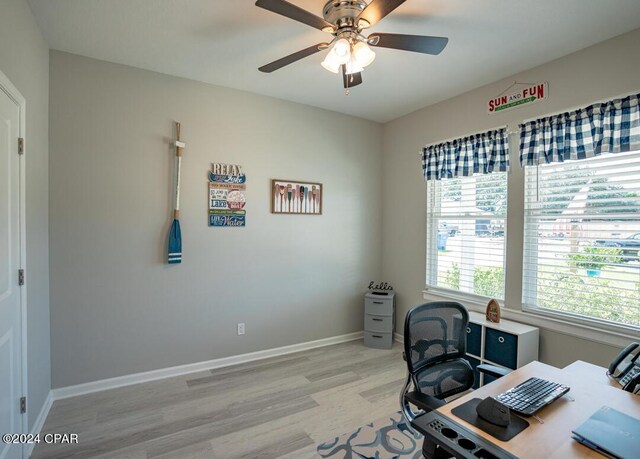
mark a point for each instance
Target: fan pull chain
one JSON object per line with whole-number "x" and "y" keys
{"x": 347, "y": 89}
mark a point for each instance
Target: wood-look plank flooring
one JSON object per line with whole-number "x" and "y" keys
{"x": 275, "y": 408}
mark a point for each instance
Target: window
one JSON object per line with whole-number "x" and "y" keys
{"x": 577, "y": 249}
{"x": 466, "y": 230}
{"x": 582, "y": 238}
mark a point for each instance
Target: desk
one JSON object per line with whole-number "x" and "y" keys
{"x": 590, "y": 387}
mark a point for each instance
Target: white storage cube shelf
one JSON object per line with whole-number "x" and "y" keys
{"x": 506, "y": 344}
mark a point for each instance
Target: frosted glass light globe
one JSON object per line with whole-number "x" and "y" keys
{"x": 331, "y": 62}
{"x": 342, "y": 50}
{"x": 363, "y": 54}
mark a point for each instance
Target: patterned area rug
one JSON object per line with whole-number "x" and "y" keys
{"x": 385, "y": 438}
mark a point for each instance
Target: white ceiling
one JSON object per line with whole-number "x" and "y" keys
{"x": 223, "y": 42}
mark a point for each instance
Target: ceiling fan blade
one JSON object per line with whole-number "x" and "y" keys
{"x": 291, "y": 58}
{"x": 294, "y": 12}
{"x": 377, "y": 10}
{"x": 349, "y": 81}
{"x": 415, "y": 43}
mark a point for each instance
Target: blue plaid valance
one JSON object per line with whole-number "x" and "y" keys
{"x": 600, "y": 128}
{"x": 476, "y": 154}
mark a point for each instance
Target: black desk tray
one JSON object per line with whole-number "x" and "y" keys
{"x": 457, "y": 440}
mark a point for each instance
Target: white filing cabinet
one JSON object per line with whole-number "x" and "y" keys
{"x": 379, "y": 319}
{"x": 506, "y": 344}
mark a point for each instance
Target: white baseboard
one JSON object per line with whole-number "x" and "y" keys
{"x": 39, "y": 422}
{"x": 398, "y": 337}
{"x": 137, "y": 378}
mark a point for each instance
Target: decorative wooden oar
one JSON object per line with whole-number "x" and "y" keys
{"x": 295, "y": 199}
{"x": 175, "y": 236}
{"x": 282, "y": 198}
{"x": 313, "y": 198}
{"x": 306, "y": 199}
{"x": 301, "y": 192}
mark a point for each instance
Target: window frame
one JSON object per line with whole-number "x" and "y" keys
{"x": 431, "y": 243}
{"x": 576, "y": 318}
{"x": 582, "y": 327}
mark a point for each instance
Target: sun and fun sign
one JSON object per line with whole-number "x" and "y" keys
{"x": 529, "y": 94}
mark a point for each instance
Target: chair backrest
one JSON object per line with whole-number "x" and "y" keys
{"x": 434, "y": 332}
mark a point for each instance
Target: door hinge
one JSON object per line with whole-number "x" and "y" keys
{"x": 23, "y": 405}
{"x": 21, "y": 146}
{"x": 21, "y": 277}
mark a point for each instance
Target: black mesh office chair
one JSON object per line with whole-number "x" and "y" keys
{"x": 435, "y": 348}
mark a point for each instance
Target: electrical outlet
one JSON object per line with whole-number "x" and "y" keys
{"x": 241, "y": 329}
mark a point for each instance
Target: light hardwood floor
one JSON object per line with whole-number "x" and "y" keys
{"x": 275, "y": 408}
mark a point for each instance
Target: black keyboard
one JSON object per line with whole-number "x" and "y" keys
{"x": 531, "y": 395}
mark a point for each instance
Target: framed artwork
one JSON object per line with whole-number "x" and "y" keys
{"x": 291, "y": 197}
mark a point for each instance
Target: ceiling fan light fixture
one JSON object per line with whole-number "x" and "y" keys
{"x": 350, "y": 50}
{"x": 363, "y": 54}
{"x": 331, "y": 62}
{"x": 342, "y": 50}
{"x": 352, "y": 66}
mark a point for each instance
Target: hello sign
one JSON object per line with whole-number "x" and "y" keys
{"x": 528, "y": 95}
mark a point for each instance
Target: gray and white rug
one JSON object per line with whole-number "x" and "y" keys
{"x": 385, "y": 438}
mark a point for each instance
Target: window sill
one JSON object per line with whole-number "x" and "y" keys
{"x": 579, "y": 328}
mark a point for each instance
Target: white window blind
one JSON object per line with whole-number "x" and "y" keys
{"x": 466, "y": 231}
{"x": 582, "y": 238}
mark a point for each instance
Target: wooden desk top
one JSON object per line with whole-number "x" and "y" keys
{"x": 590, "y": 372}
{"x": 590, "y": 387}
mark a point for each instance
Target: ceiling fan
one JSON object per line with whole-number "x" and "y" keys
{"x": 350, "y": 50}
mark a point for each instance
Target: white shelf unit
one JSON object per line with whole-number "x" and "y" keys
{"x": 506, "y": 344}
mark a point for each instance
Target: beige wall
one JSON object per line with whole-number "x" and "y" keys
{"x": 24, "y": 59}
{"x": 603, "y": 71}
{"x": 117, "y": 307}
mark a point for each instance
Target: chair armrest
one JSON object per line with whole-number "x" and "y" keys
{"x": 492, "y": 370}
{"x": 423, "y": 401}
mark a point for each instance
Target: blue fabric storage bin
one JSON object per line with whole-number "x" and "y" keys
{"x": 501, "y": 348}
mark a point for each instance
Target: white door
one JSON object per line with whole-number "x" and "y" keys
{"x": 10, "y": 309}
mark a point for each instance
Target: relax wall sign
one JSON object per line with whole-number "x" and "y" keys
{"x": 528, "y": 94}
{"x": 227, "y": 187}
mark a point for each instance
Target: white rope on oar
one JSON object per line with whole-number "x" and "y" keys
{"x": 179, "y": 146}
{"x": 178, "y": 184}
